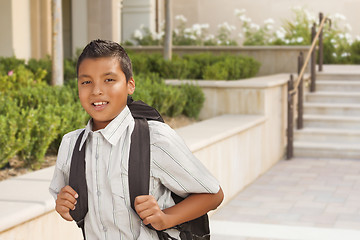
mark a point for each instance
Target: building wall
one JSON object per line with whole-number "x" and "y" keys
{"x": 40, "y": 27}
{"x": 26, "y": 25}
{"x": 136, "y": 13}
{"x": 103, "y": 19}
{"x": 79, "y": 24}
{"x": 21, "y": 28}
{"x": 215, "y": 12}
{"x": 6, "y": 37}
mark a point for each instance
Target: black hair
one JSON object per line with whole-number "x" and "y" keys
{"x": 105, "y": 48}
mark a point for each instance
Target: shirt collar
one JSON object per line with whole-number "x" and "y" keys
{"x": 114, "y": 130}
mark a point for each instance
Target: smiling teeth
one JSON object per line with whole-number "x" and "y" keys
{"x": 99, "y": 103}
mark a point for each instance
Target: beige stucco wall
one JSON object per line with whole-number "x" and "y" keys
{"x": 40, "y": 21}
{"x": 47, "y": 226}
{"x": 6, "y": 35}
{"x": 15, "y": 28}
{"x": 215, "y": 12}
{"x": 21, "y": 28}
{"x": 79, "y": 24}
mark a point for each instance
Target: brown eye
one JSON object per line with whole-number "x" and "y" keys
{"x": 85, "y": 82}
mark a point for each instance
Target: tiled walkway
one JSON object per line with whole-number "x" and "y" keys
{"x": 298, "y": 199}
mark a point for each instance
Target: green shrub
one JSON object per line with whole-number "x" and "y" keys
{"x": 194, "y": 100}
{"x": 177, "y": 68}
{"x": 355, "y": 52}
{"x": 178, "y": 100}
{"x": 70, "y": 69}
{"x": 37, "y": 115}
{"x": 8, "y": 64}
{"x": 144, "y": 85}
{"x": 9, "y": 116}
{"x": 232, "y": 68}
{"x": 21, "y": 78}
{"x": 45, "y": 64}
{"x": 196, "y": 66}
{"x": 168, "y": 100}
{"x": 15, "y": 128}
{"x": 44, "y": 131}
{"x": 198, "y": 62}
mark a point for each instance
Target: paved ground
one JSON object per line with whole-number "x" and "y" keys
{"x": 298, "y": 199}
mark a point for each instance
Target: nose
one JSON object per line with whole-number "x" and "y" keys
{"x": 97, "y": 90}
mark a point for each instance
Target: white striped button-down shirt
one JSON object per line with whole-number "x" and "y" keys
{"x": 173, "y": 168}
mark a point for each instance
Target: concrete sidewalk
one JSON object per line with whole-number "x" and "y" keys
{"x": 297, "y": 199}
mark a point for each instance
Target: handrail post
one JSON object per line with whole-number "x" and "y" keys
{"x": 300, "y": 93}
{"x": 321, "y": 46}
{"x": 290, "y": 127}
{"x": 313, "y": 61}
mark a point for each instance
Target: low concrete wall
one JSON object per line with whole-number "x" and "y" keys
{"x": 273, "y": 59}
{"x": 262, "y": 96}
{"x": 236, "y": 147}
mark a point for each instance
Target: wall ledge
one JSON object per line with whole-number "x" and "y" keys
{"x": 208, "y": 132}
{"x": 25, "y": 197}
{"x": 256, "y": 82}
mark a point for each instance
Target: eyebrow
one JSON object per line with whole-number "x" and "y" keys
{"x": 105, "y": 74}
{"x": 109, "y": 73}
{"x": 84, "y": 76}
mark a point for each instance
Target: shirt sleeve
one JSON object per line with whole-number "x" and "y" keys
{"x": 175, "y": 165}
{"x": 62, "y": 167}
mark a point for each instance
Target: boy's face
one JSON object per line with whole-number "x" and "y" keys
{"x": 103, "y": 89}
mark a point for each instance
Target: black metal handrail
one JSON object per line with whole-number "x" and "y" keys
{"x": 297, "y": 86}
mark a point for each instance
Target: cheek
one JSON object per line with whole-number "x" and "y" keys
{"x": 82, "y": 96}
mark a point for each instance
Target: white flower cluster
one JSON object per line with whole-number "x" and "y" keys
{"x": 181, "y": 18}
{"x": 226, "y": 26}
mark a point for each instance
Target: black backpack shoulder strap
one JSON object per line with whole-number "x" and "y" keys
{"x": 139, "y": 110}
{"x": 139, "y": 166}
{"x": 139, "y": 161}
{"x": 77, "y": 180}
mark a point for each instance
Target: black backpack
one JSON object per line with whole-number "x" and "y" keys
{"x": 139, "y": 165}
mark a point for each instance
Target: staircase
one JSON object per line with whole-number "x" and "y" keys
{"x": 331, "y": 116}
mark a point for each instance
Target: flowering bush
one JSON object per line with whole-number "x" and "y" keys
{"x": 297, "y": 31}
{"x": 253, "y": 33}
{"x": 337, "y": 40}
{"x": 144, "y": 37}
{"x": 196, "y": 35}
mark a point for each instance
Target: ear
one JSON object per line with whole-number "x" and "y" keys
{"x": 131, "y": 86}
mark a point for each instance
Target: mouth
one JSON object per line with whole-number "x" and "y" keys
{"x": 99, "y": 105}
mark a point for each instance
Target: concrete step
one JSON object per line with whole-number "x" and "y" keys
{"x": 327, "y": 135}
{"x": 337, "y": 122}
{"x": 338, "y": 76}
{"x": 333, "y": 97}
{"x": 327, "y": 150}
{"x": 332, "y": 109}
{"x": 338, "y": 86}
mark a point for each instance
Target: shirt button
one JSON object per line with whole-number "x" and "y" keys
{"x": 98, "y": 193}
{"x": 105, "y": 229}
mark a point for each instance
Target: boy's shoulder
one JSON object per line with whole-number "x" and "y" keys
{"x": 72, "y": 134}
{"x": 156, "y": 127}
{"x": 66, "y": 148}
{"x": 162, "y": 134}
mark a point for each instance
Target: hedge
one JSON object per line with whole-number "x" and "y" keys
{"x": 34, "y": 116}
{"x": 196, "y": 66}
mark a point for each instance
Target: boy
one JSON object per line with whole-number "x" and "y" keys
{"x": 104, "y": 82}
